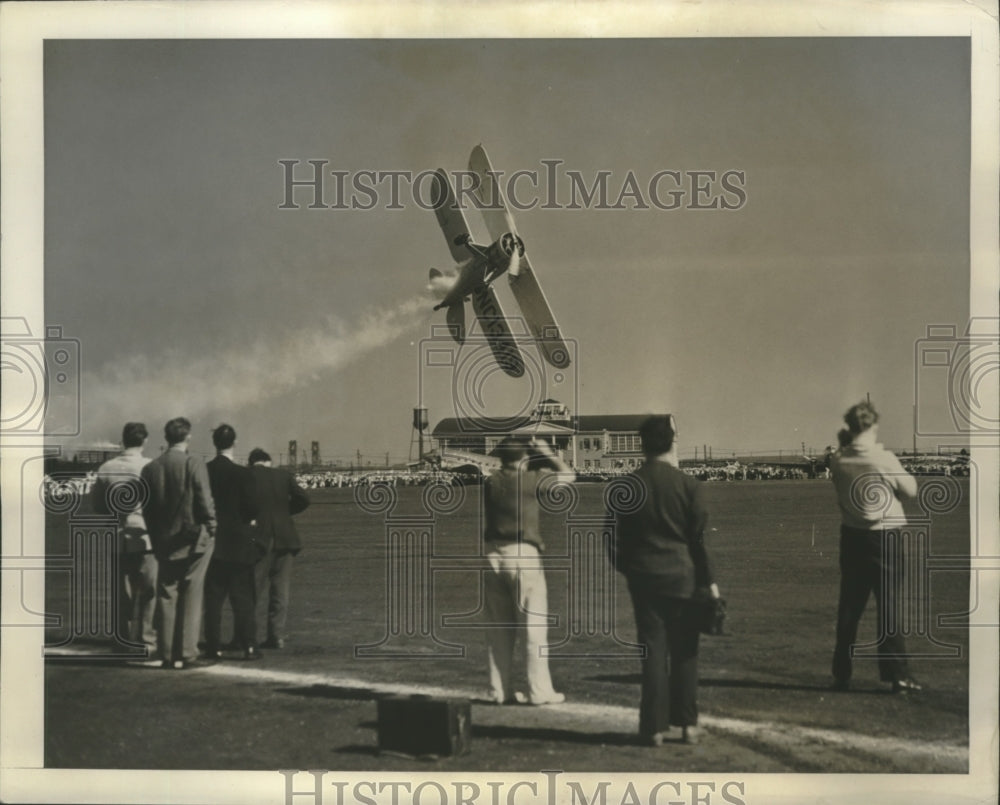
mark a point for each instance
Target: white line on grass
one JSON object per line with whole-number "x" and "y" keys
{"x": 797, "y": 740}
{"x": 792, "y": 739}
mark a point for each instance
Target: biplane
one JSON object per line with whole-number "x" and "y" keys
{"x": 479, "y": 266}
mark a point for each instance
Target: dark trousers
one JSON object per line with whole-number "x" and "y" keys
{"x": 870, "y": 562}
{"x": 274, "y": 585}
{"x": 237, "y": 582}
{"x": 669, "y": 632}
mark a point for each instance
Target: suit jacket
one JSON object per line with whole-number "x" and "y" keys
{"x": 662, "y": 540}
{"x": 235, "y": 506}
{"x": 179, "y": 513}
{"x": 278, "y": 498}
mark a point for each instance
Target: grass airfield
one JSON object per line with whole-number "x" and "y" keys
{"x": 357, "y": 632}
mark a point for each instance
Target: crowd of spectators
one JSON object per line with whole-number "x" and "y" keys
{"x": 954, "y": 466}
{"x": 957, "y": 467}
{"x": 712, "y": 472}
{"x": 337, "y": 479}
{"x": 66, "y": 485}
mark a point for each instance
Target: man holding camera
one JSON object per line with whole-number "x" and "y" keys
{"x": 515, "y": 591}
{"x": 870, "y": 484}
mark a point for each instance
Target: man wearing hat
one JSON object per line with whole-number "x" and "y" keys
{"x": 514, "y": 585}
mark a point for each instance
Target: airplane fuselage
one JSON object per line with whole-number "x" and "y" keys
{"x": 486, "y": 264}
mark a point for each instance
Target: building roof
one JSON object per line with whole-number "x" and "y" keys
{"x": 614, "y": 422}
{"x": 593, "y": 423}
{"x": 458, "y": 426}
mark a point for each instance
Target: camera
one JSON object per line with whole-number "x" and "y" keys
{"x": 41, "y": 381}
{"x": 955, "y": 380}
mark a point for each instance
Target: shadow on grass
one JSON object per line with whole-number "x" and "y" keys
{"x": 747, "y": 684}
{"x": 98, "y": 661}
{"x": 496, "y": 732}
{"x": 374, "y": 751}
{"x": 357, "y": 749}
{"x": 335, "y": 692}
{"x": 479, "y": 731}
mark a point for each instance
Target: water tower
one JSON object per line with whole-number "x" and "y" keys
{"x": 420, "y": 423}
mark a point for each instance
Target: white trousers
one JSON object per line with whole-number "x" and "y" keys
{"x": 516, "y": 600}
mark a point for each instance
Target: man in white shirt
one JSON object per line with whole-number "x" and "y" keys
{"x": 870, "y": 484}
{"x": 515, "y": 593}
{"x": 118, "y": 490}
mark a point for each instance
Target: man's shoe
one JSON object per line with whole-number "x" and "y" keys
{"x": 690, "y": 735}
{"x": 841, "y": 685}
{"x": 212, "y": 656}
{"x": 516, "y": 698}
{"x": 251, "y": 653}
{"x": 194, "y": 662}
{"x": 273, "y": 643}
{"x": 906, "y": 686}
{"x": 555, "y": 698}
{"x": 172, "y": 665}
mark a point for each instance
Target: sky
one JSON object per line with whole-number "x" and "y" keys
{"x": 192, "y": 292}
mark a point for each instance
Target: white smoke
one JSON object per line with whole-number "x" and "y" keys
{"x": 439, "y": 286}
{"x": 174, "y": 382}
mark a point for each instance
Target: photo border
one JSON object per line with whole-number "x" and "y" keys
{"x": 23, "y": 29}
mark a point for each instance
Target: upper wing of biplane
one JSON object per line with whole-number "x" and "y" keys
{"x": 523, "y": 282}
{"x": 450, "y": 216}
{"x": 491, "y": 200}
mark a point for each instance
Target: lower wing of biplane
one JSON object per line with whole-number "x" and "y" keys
{"x": 478, "y": 266}
{"x": 491, "y": 318}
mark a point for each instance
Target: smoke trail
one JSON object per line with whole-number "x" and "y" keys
{"x": 176, "y": 382}
{"x": 439, "y": 286}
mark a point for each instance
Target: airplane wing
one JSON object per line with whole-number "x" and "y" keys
{"x": 488, "y": 193}
{"x": 523, "y": 282}
{"x": 494, "y": 324}
{"x": 538, "y": 315}
{"x": 450, "y": 216}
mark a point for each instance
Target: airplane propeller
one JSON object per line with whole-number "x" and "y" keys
{"x": 493, "y": 207}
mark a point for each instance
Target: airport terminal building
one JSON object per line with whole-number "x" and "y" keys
{"x": 586, "y": 442}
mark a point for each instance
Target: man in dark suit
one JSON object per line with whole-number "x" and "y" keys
{"x": 278, "y": 498}
{"x": 236, "y": 551}
{"x": 659, "y": 546}
{"x": 180, "y": 516}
